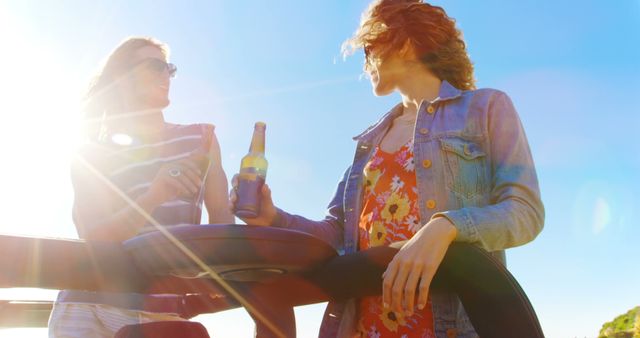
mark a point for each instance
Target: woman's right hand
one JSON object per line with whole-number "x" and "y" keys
{"x": 179, "y": 178}
{"x": 268, "y": 212}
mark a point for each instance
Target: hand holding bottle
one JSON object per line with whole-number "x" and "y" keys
{"x": 268, "y": 212}
{"x": 252, "y": 175}
{"x": 248, "y": 194}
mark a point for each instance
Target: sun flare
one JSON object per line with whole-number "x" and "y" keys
{"x": 40, "y": 127}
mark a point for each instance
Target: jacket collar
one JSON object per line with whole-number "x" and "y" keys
{"x": 445, "y": 93}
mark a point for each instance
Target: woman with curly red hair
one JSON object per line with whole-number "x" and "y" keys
{"x": 448, "y": 163}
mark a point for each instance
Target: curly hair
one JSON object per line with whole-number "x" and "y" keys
{"x": 103, "y": 95}
{"x": 387, "y": 25}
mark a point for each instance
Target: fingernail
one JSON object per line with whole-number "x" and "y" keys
{"x": 420, "y": 306}
{"x": 385, "y": 305}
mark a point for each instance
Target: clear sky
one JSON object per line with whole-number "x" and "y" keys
{"x": 571, "y": 67}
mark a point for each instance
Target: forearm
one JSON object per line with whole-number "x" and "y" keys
{"x": 329, "y": 229}
{"x": 220, "y": 215}
{"x": 510, "y": 223}
{"x": 216, "y": 202}
{"x": 515, "y": 214}
{"x": 216, "y": 197}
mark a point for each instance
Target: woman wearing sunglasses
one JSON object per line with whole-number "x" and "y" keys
{"x": 448, "y": 163}
{"x": 134, "y": 173}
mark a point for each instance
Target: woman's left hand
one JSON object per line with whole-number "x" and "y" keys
{"x": 414, "y": 266}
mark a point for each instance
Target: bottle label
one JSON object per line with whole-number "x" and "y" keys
{"x": 248, "y": 202}
{"x": 251, "y": 173}
{"x": 248, "y": 176}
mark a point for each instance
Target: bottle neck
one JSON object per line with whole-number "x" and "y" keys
{"x": 257, "y": 141}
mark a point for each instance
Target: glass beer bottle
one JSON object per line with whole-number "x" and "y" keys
{"x": 253, "y": 172}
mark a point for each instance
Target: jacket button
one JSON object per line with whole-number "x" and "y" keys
{"x": 430, "y": 109}
{"x": 424, "y": 131}
{"x": 426, "y": 163}
{"x": 431, "y": 204}
{"x": 452, "y": 333}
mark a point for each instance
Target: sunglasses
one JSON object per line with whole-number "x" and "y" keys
{"x": 158, "y": 66}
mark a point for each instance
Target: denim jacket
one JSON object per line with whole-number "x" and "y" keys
{"x": 473, "y": 165}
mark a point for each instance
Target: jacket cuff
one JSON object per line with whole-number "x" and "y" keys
{"x": 461, "y": 219}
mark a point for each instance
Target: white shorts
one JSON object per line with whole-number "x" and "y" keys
{"x": 82, "y": 320}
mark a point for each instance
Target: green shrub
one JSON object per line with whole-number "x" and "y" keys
{"x": 626, "y": 325}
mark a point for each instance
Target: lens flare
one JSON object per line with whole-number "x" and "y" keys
{"x": 601, "y": 215}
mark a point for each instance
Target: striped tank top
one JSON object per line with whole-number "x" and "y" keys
{"x": 131, "y": 163}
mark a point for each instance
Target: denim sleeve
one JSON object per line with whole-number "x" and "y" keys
{"x": 331, "y": 228}
{"x": 515, "y": 214}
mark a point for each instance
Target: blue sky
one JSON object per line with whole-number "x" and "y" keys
{"x": 572, "y": 69}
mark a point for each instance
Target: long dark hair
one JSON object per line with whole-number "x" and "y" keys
{"x": 104, "y": 96}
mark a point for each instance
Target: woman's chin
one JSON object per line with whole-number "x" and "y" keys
{"x": 161, "y": 103}
{"x": 381, "y": 91}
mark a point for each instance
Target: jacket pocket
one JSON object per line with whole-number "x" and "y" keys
{"x": 465, "y": 167}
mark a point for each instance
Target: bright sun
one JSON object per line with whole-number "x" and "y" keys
{"x": 37, "y": 134}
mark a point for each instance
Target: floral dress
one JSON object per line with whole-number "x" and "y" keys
{"x": 390, "y": 213}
